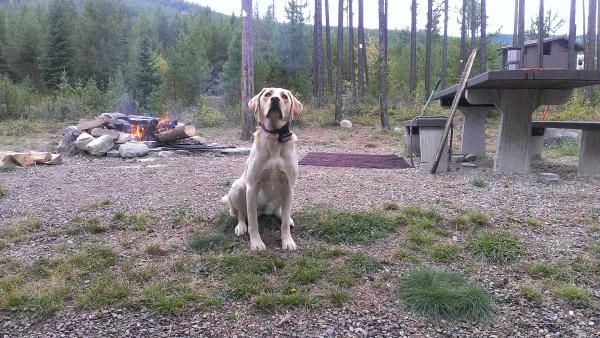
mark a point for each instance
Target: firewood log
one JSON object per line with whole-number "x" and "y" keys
{"x": 101, "y": 131}
{"x": 177, "y": 133}
{"x": 23, "y": 159}
{"x": 41, "y": 157}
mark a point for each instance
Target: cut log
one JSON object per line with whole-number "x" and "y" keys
{"x": 56, "y": 159}
{"x": 5, "y": 160}
{"x": 88, "y": 124}
{"x": 177, "y": 133}
{"x": 23, "y": 159}
{"x": 41, "y": 157}
{"x": 100, "y": 146}
{"x": 101, "y": 131}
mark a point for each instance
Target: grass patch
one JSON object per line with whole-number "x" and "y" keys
{"x": 344, "y": 226}
{"x": 532, "y": 222}
{"x": 389, "y": 205}
{"x": 143, "y": 274}
{"x": 440, "y": 294}
{"x": 371, "y": 145}
{"x": 241, "y": 263}
{"x": 80, "y": 225}
{"x": 155, "y": 250}
{"x": 305, "y": 270}
{"x": 105, "y": 290}
{"x": 165, "y": 297}
{"x": 495, "y": 247}
{"x": 566, "y": 148}
{"x": 361, "y": 264}
{"x": 96, "y": 205}
{"x": 271, "y": 302}
{"x": 445, "y": 253}
{"x": 546, "y": 270}
{"x": 135, "y": 222}
{"x": 8, "y": 168}
{"x": 530, "y": 292}
{"x": 414, "y": 216}
{"x": 479, "y": 183}
{"x": 572, "y": 293}
{"x": 3, "y": 191}
{"x": 246, "y": 285}
{"x": 338, "y": 297}
{"x": 402, "y": 255}
{"x": 20, "y": 229}
{"x": 203, "y": 242}
{"x": 225, "y": 223}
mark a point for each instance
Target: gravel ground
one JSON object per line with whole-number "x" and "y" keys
{"x": 161, "y": 185}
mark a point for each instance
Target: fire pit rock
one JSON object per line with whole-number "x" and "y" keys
{"x": 83, "y": 140}
{"x": 100, "y": 145}
{"x": 133, "y": 149}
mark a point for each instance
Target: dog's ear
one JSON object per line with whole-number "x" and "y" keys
{"x": 296, "y": 105}
{"x": 254, "y": 102}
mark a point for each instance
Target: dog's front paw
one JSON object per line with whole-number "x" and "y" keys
{"x": 288, "y": 244}
{"x": 241, "y": 229}
{"x": 291, "y": 221}
{"x": 257, "y": 245}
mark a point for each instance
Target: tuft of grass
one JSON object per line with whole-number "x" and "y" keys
{"x": 445, "y": 252}
{"x": 361, "y": 264}
{"x": 246, "y": 285}
{"x": 477, "y": 218}
{"x": 344, "y": 226}
{"x": 409, "y": 256}
{"x": 8, "y": 168}
{"x": 106, "y": 289}
{"x": 165, "y": 297}
{"x": 532, "y": 222}
{"x": 305, "y": 270}
{"x": 547, "y": 270}
{"x": 338, "y": 297}
{"x": 421, "y": 238}
{"x": 495, "y": 247}
{"x": 271, "y": 302}
{"x": 226, "y": 223}
{"x": 389, "y": 205}
{"x": 479, "y": 183}
{"x": 341, "y": 275}
{"x": 3, "y": 191}
{"x": 441, "y": 294}
{"x": 530, "y": 292}
{"x": 315, "y": 250}
{"x": 572, "y": 293}
{"x": 415, "y": 217}
{"x": 257, "y": 264}
{"x": 155, "y": 250}
{"x": 95, "y": 205}
{"x": 135, "y": 222}
{"x": 566, "y": 148}
{"x": 203, "y": 241}
{"x": 20, "y": 229}
{"x": 143, "y": 274}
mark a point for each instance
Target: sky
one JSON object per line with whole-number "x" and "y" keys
{"x": 500, "y": 12}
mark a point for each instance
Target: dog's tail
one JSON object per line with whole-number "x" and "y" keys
{"x": 225, "y": 200}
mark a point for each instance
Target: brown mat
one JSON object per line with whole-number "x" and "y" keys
{"x": 355, "y": 160}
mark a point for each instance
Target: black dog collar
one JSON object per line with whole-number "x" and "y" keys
{"x": 284, "y": 132}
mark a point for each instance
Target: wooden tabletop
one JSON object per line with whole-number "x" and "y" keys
{"x": 523, "y": 79}
{"x": 586, "y": 125}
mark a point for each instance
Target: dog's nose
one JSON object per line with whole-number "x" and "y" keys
{"x": 274, "y": 99}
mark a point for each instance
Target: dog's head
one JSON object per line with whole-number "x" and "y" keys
{"x": 276, "y": 104}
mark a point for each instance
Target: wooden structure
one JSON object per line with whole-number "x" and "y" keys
{"x": 516, "y": 94}
{"x": 555, "y": 50}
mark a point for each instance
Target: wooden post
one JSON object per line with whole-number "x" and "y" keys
{"x": 572, "y": 37}
{"x": 413, "y": 47}
{"x": 541, "y": 35}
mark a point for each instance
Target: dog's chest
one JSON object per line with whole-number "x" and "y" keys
{"x": 274, "y": 171}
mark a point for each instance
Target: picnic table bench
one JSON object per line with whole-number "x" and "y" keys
{"x": 516, "y": 94}
{"x": 589, "y": 148}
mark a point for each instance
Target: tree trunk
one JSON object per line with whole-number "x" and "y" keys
{"x": 572, "y": 36}
{"x": 361, "y": 52}
{"x": 522, "y": 30}
{"x": 584, "y": 33}
{"x": 445, "y": 46}
{"x": 383, "y": 63}
{"x": 351, "y": 49}
{"x": 340, "y": 63}
{"x": 314, "y": 55}
{"x": 247, "y": 85}
{"x": 483, "y": 39}
{"x": 413, "y": 47}
{"x": 590, "y": 48}
{"x": 463, "y": 37}
{"x": 428, "y": 47}
{"x": 515, "y": 40}
{"x": 319, "y": 52}
{"x": 328, "y": 49}
{"x": 541, "y": 35}
{"x": 472, "y": 24}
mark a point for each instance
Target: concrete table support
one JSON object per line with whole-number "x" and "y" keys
{"x": 473, "y": 132}
{"x": 589, "y": 154}
{"x": 516, "y": 107}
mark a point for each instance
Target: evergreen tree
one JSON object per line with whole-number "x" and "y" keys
{"x": 230, "y": 78}
{"x": 59, "y": 52}
{"x": 146, "y": 77}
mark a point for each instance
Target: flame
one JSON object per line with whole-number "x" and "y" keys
{"x": 138, "y": 131}
{"x": 164, "y": 119}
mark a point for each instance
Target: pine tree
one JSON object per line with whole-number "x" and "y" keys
{"x": 247, "y": 79}
{"x": 413, "y": 47}
{"x": 445, "y": 46}
{"x": 362, "y": 54}
{"x": 340, "y": 63}
{"x": 572, "y": 36}
{"x": 483, "y": 39}
{"x": 428, "y": 48}
{"x": 59, "y": 52}
{"x": 383, "y": 34}
{"x": 318, "y": 61}
{"x": 351, "y": 49}
{"x": 463, "y": 37}
{"x": 328, "y": 49}
{"x": 146, "y": 77}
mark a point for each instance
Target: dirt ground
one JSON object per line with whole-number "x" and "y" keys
{"x": 566, "y": 225}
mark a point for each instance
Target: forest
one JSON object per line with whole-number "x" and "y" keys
{"x": 66, "y": 59}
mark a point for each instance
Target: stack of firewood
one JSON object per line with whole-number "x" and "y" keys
{"x": 27, "y": 159}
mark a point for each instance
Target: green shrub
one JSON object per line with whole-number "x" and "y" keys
{"x": 440, "y": 294}
{"x": 495, "y": 247}
{"x": 3, "y": 191}
{"x": 479, "y": 183}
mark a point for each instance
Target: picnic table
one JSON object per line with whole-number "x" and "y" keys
{"x": 516, "y": 94}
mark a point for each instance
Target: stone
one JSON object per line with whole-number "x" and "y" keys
{"x": 458, "y": 158}
{"x": 398, "y": 130}
{"x": 548, "y": 178}
{"x": 236, "y": 151}
{"x": 100, "y": 145}
{"x": 561, "y": 136}
{"x": 67, "y": 142}
{"x": 183, "y": 152}
{"x": 55, "y": 159}
{"x": 468, "y": 165}
{"x": 125, "y": 137}
{"x": 133, "y": 149}
{"x": 83, "y": 140}
{"x": 102, "y": 131}
{"x": 150, "y": 144}
{"x": 346, "y": 124}
{"x": 166, "y": 153}
{"x": 470, "y": 158}
{"x": 113, "y": 153}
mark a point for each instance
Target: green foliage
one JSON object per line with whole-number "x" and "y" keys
{"x": 304, "y": 270}
{"x": 255, "y": 264}
{"x": 440, "y": 294}
{"x": 246, "y": 285}
{"x": 3, "y": 191}
{"x": 343, "y": 226}
{"x": 567, "y": 148}
{"x": 338, "y": 297}
{"x": 155, "y": 250}
{"x": 135, "y": 222}
{"x": 530, "y": 292}
{"x": 106, "y": 289}
{"x": 59, "y": 52}
{"x": 361, "y": 264}
{"x": 495, "y": 247}
{"x": 445, "y": 252}
{"x": 164, "y": 297}
{"x": 270, "y": 302}
{"x": 479, "y": 183}
{"x": 19, "y": 229}
{"x": 546, "y": 270}
{"x": 572, "y": 293}
{"x": 203, "y": 241}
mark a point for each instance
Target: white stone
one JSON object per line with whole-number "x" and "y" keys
{"x": 100, "y": 146}
{"x": 133, "y": 149}
{"x": 82, "y": 140}
{"x": 113, "y": 153}
{"x": 548, "y": 178}
{"x": 470, "y": 158}
{"x": 346, "y": 124}
{"x": 165, "y": 153}
{"x": 468, "y": 165}
{"x": 124, "y": 138}
{"x": 397, "y": 129}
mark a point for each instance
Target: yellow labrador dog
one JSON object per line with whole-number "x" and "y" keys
{"x": 267, "y": 184}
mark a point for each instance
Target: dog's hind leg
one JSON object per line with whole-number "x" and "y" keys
{"x": 237, "y": 201}
{"x": 279, "y": 214}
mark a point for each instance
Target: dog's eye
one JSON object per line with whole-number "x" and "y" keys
{"x": 284, "y": 97}
{"x": 267, "y": 94}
